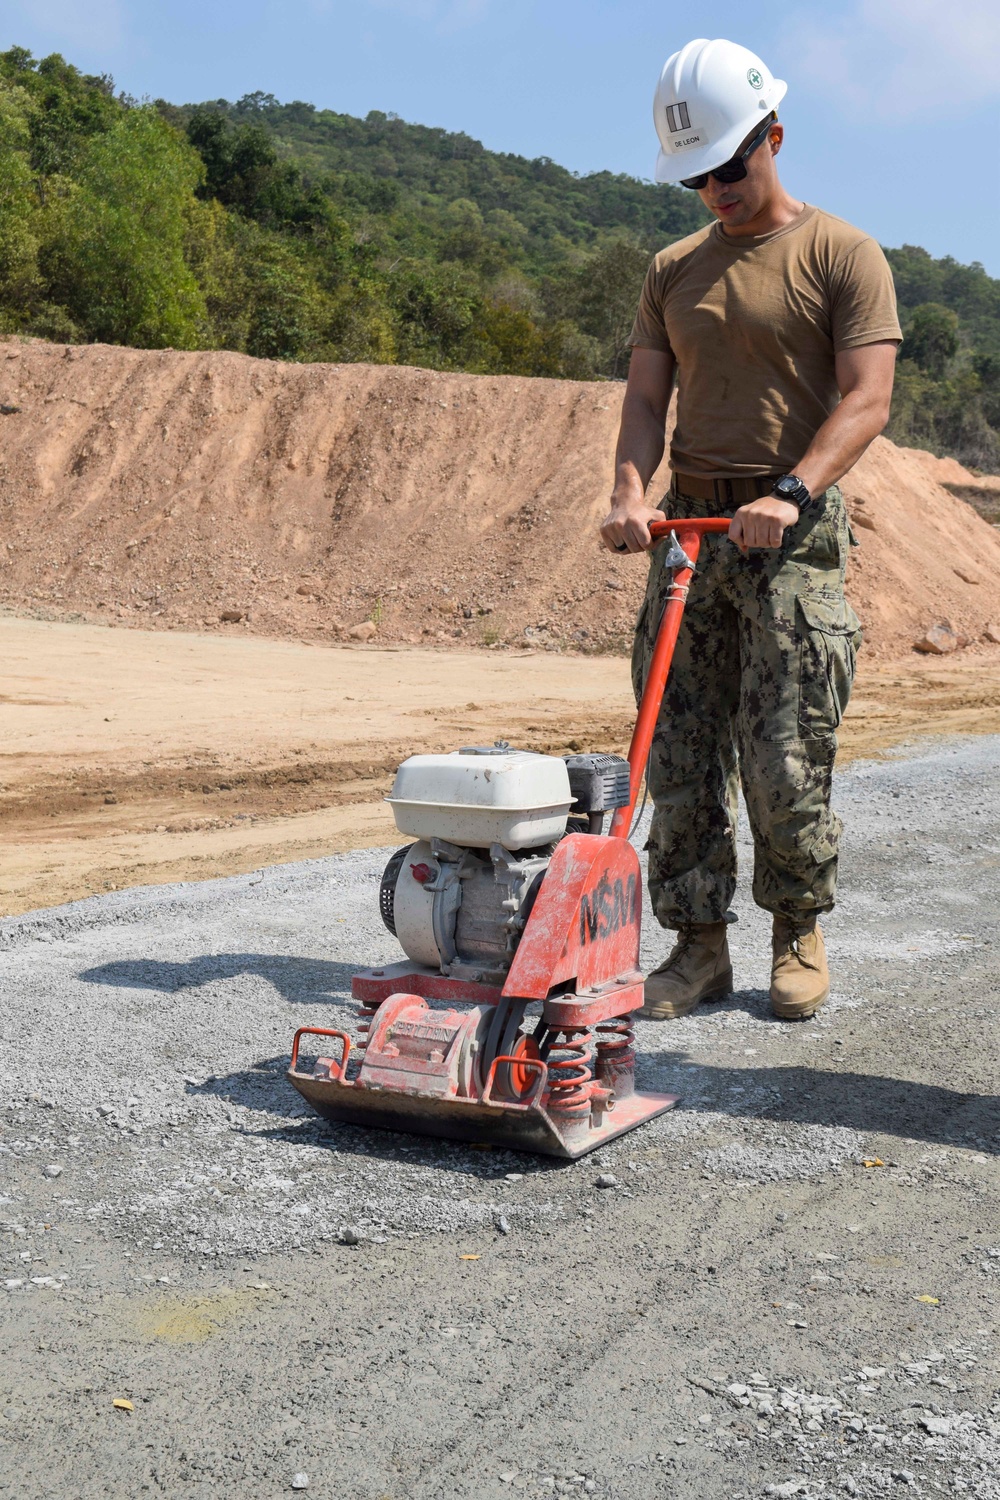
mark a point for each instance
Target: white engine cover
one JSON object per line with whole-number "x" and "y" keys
{"x": 509, "y": 797}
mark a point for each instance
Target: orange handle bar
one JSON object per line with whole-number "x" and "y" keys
{"x": 702, "y": 526}
{"x": 689, "y": 534}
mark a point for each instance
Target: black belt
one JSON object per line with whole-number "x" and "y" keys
{"x": 725, "y": 491}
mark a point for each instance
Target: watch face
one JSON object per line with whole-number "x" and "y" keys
{"x": 787, "y": 486}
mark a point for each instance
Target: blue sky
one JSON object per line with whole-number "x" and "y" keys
{"x": 891, "y": 115}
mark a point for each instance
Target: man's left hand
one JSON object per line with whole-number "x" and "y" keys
{"x": 762, "y": 523}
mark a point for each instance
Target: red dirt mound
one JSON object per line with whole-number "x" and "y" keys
{"x": 161, "y": 488}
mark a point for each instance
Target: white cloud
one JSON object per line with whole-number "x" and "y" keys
{"x": 900, "y": 58}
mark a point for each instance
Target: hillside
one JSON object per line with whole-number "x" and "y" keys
{"x": 287, "y": 232}
{"x": 165, "y": 489}
{"x": 536, "y": 209}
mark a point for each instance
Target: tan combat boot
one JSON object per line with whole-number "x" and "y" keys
{"x": 697, "y": 969}
{"x": 800, "y": 979}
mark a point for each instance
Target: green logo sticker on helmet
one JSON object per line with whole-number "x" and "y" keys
{"x": 754, "y": 79}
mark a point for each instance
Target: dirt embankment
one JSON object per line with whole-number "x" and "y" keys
{"x": 168, "y": 489}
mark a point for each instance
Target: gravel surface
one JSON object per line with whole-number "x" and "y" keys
{"x": 785, "y": 1286}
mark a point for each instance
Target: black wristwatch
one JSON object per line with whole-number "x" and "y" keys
{"x": 790, "y": 487}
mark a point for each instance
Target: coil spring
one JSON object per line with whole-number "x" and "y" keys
{"x": 570, "y": 1057}
{"x": 615, "y": 1039}
{"x": 366, "y": 1017}
{"x": 615, "y": 1068}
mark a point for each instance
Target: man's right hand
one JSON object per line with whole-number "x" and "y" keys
{"x": 626, "y": 527}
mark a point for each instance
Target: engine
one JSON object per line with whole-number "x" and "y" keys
{"x": 486, "y": 821}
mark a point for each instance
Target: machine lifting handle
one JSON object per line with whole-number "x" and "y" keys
{"x": 338, "y": 1071}
{"x": 689, "y": 534}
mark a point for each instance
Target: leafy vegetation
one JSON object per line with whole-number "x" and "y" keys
{"x": 294, "y": 233}
{"x": 947, "y": 395}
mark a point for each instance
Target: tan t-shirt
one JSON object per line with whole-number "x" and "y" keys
{"x": 754, "y": 325}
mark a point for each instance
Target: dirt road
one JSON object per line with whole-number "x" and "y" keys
{"x": 790, "y": 1289}
{"x": 133, "y": 757}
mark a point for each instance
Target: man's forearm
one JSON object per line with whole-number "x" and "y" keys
{"x": 640, "y": 447}
{"x": 842, "y": 439}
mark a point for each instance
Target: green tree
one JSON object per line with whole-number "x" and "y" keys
{"x": 287, "y": 309}
{"x": 216, "y": 258}
{"x": 70, "y": 106}
{"x": 435, "y": 308}
{"x": 932, "y": 338}
{"x": 20, "y": 282}
{"x": 466, "y": 238}
{"x": 987, "y": 367}
{"x": 509, "y": 341}
{"x": 114, "y": 253}
{"x": 243, "y": 172}
{"x": 602, "y": 295}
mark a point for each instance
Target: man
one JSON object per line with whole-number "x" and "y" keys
{"x": 779, "y": 324}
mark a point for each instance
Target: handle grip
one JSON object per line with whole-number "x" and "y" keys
{"x": 704, "y": 526}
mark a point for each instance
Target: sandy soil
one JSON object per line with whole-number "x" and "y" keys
{"x": 134, "y": 757}
{"x": 171, "y": 490}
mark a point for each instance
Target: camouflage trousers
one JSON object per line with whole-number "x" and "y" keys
{"x": 759, "y": 683}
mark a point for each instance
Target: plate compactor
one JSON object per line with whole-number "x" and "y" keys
{"x": 510, "y": 1021}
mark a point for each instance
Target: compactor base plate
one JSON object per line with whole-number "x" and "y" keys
{"x": 518, "y": 1127}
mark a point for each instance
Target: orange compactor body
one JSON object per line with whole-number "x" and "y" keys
{"x": 511, "y": 1019}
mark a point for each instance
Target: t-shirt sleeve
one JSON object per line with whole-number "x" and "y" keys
{"x": 864, "y": 298}
{"x": 649, "y": 331}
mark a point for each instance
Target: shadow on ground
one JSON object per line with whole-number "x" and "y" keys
{"x": 296, "y": 979}
{"x": 869, "y": 1103}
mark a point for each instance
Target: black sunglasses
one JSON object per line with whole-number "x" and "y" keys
{"x": 733, "y": 170}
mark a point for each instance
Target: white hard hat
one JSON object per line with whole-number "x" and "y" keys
{"x": 709, "y": 97}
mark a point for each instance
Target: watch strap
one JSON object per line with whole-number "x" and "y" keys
{"x": 799, "y": 496}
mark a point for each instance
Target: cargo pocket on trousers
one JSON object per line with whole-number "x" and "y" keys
{"x": 831, "y": 636}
